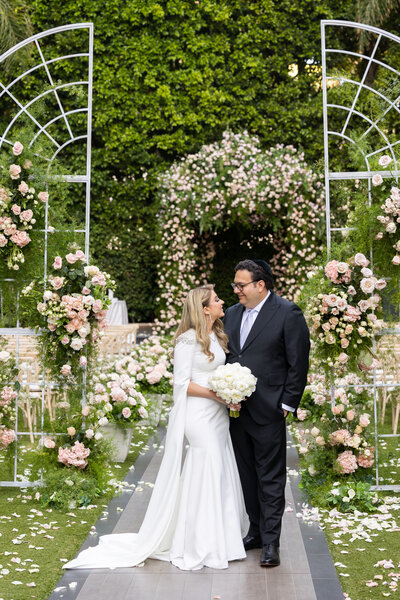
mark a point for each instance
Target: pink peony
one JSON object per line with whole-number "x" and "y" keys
{"x": 23, "y": 188}
{"x": 17, "y": 148}
{"x": 154, "y": 376}
{"x": 15, "y": 171}
{"x": 43, "y": 196}
{"x": 57, "y": 262}
{"x": 346, "y": 462}
{"x": 26, "y": 215}
{"x": 20, "y": 238}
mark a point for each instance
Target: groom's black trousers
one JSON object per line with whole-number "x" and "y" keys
{"x": 260, "y": 452}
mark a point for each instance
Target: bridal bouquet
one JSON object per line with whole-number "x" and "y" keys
{"x": 232, "y": 383}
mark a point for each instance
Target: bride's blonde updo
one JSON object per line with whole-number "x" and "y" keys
{"x": 193, "y": 317}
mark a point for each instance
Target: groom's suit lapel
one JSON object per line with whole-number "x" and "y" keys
{"x": 265, "y": 315}
{"x": 235, "y": 327}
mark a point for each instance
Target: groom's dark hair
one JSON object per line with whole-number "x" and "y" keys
{"x": 259, "y": 269}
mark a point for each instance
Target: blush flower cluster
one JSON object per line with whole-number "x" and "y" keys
{"x": 343, "y": 319}
{"x": 21, "y": 208}
{"x": 8, "y": 393}
{"x": 73, "y": 311}
{"x": 228, "y": 182}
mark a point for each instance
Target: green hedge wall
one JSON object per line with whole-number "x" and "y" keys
{"x": 171, "y": 75}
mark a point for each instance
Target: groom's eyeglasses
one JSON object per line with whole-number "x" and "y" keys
{"x": 240, "y": 286}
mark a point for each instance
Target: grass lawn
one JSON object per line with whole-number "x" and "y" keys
{"x": 33, "y": 540}
{"x": 366, "y": 548}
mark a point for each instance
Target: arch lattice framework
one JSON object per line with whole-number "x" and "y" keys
{"x": 345, "y": 123}
{"x": 49, "y": 80}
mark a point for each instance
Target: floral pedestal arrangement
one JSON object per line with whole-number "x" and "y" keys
{"x": 121, "y": 440}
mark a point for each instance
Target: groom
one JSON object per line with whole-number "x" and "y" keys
{"x": 269, "y": 335}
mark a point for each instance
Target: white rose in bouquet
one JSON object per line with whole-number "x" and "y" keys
{"x": 232, "y": 383}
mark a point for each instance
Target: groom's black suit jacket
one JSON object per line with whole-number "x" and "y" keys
{"x": 276, "y": 351}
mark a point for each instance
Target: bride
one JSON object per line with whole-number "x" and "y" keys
{"x": 196, "y": 515}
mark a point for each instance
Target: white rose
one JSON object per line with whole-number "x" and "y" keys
{"x": 47, "y": 295}
{"x": 89, "y": 433}
{"x": 103, "y": 421}
{"x": 367, "y": 285}
{"x": 384, "y": 161}
{"x": 377, "y": 179}
{"x": 391, "y": 228}
{"x": 76, "y": 344}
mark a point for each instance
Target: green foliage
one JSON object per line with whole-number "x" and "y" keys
{"x": 170, "y": 76}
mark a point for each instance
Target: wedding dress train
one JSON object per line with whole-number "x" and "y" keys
{"x": 196, "y": 515}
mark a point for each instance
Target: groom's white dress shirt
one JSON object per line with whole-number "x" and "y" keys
{"x": 248, "y": 318}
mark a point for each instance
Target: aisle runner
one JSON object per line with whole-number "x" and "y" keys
{"x": 158, "y": 580}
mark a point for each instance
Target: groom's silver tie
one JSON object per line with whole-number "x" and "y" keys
{"x": 247, "y": 325}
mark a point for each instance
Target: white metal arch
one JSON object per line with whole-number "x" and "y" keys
{"x": 387, "y": 146}
{"x": 22, "y": 108}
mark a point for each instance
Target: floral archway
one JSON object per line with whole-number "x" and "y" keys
{"x": 235, "y": 181}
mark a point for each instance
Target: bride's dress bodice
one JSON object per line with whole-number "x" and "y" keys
{"x": 202, "y": 366}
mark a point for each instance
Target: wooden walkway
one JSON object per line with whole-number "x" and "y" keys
{"x": 158, "y": 580}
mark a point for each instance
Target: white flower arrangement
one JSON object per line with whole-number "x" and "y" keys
{"x": 232, "y": 383}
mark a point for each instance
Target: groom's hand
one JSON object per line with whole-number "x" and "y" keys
{"x": 285, "y": 413}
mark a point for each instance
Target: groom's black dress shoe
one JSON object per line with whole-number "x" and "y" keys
{"x": 252, "y": 541}
{"x": 270, "y": 556}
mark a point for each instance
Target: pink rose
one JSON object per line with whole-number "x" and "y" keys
{"x": 20, "y": 238}
{"x": 28, "y": 164}
{"x": 3, "y": 240}
{"x": 71, "y": 431}
{"x": 26, "y": 215}
{"x": 49, "y": 443}
{"x": 16, "y": 209}
{"x": 23, "y": 188}
{"x": 97, "y": 306}
{"x": 71, "y": 258}
{"x": 52, "y": 326}
{"x": 364, "y": 420}
{"x": 57, "y": 262}
{"x": 344, "y": 343}
{"x": 57, "y": 282}
{"x": 85, "y": 411}
{"x": 65, "y": 340}
{"x": 380, "y": 284}
{"x": 396, "y": 260}
{"x": 85, "y": 290}
{"x": 15, "y": 171}
{"x": 83, "y": 361}
{"x": 320, "y": 441}
{"x": 350, "y": 415}
{"x": 126, "y": 412}
{"x": 17, "y": 148}
{"x": 80, "y": 255}
{"x": 337, "y": 409}
{"x": 43, "y": 196}
{"x": 66, "y": 370}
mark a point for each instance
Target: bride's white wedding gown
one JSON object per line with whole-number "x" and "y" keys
{"x": 196, "y": 515}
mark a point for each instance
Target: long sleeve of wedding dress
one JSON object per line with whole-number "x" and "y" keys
{"x": 196, "y": 515}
